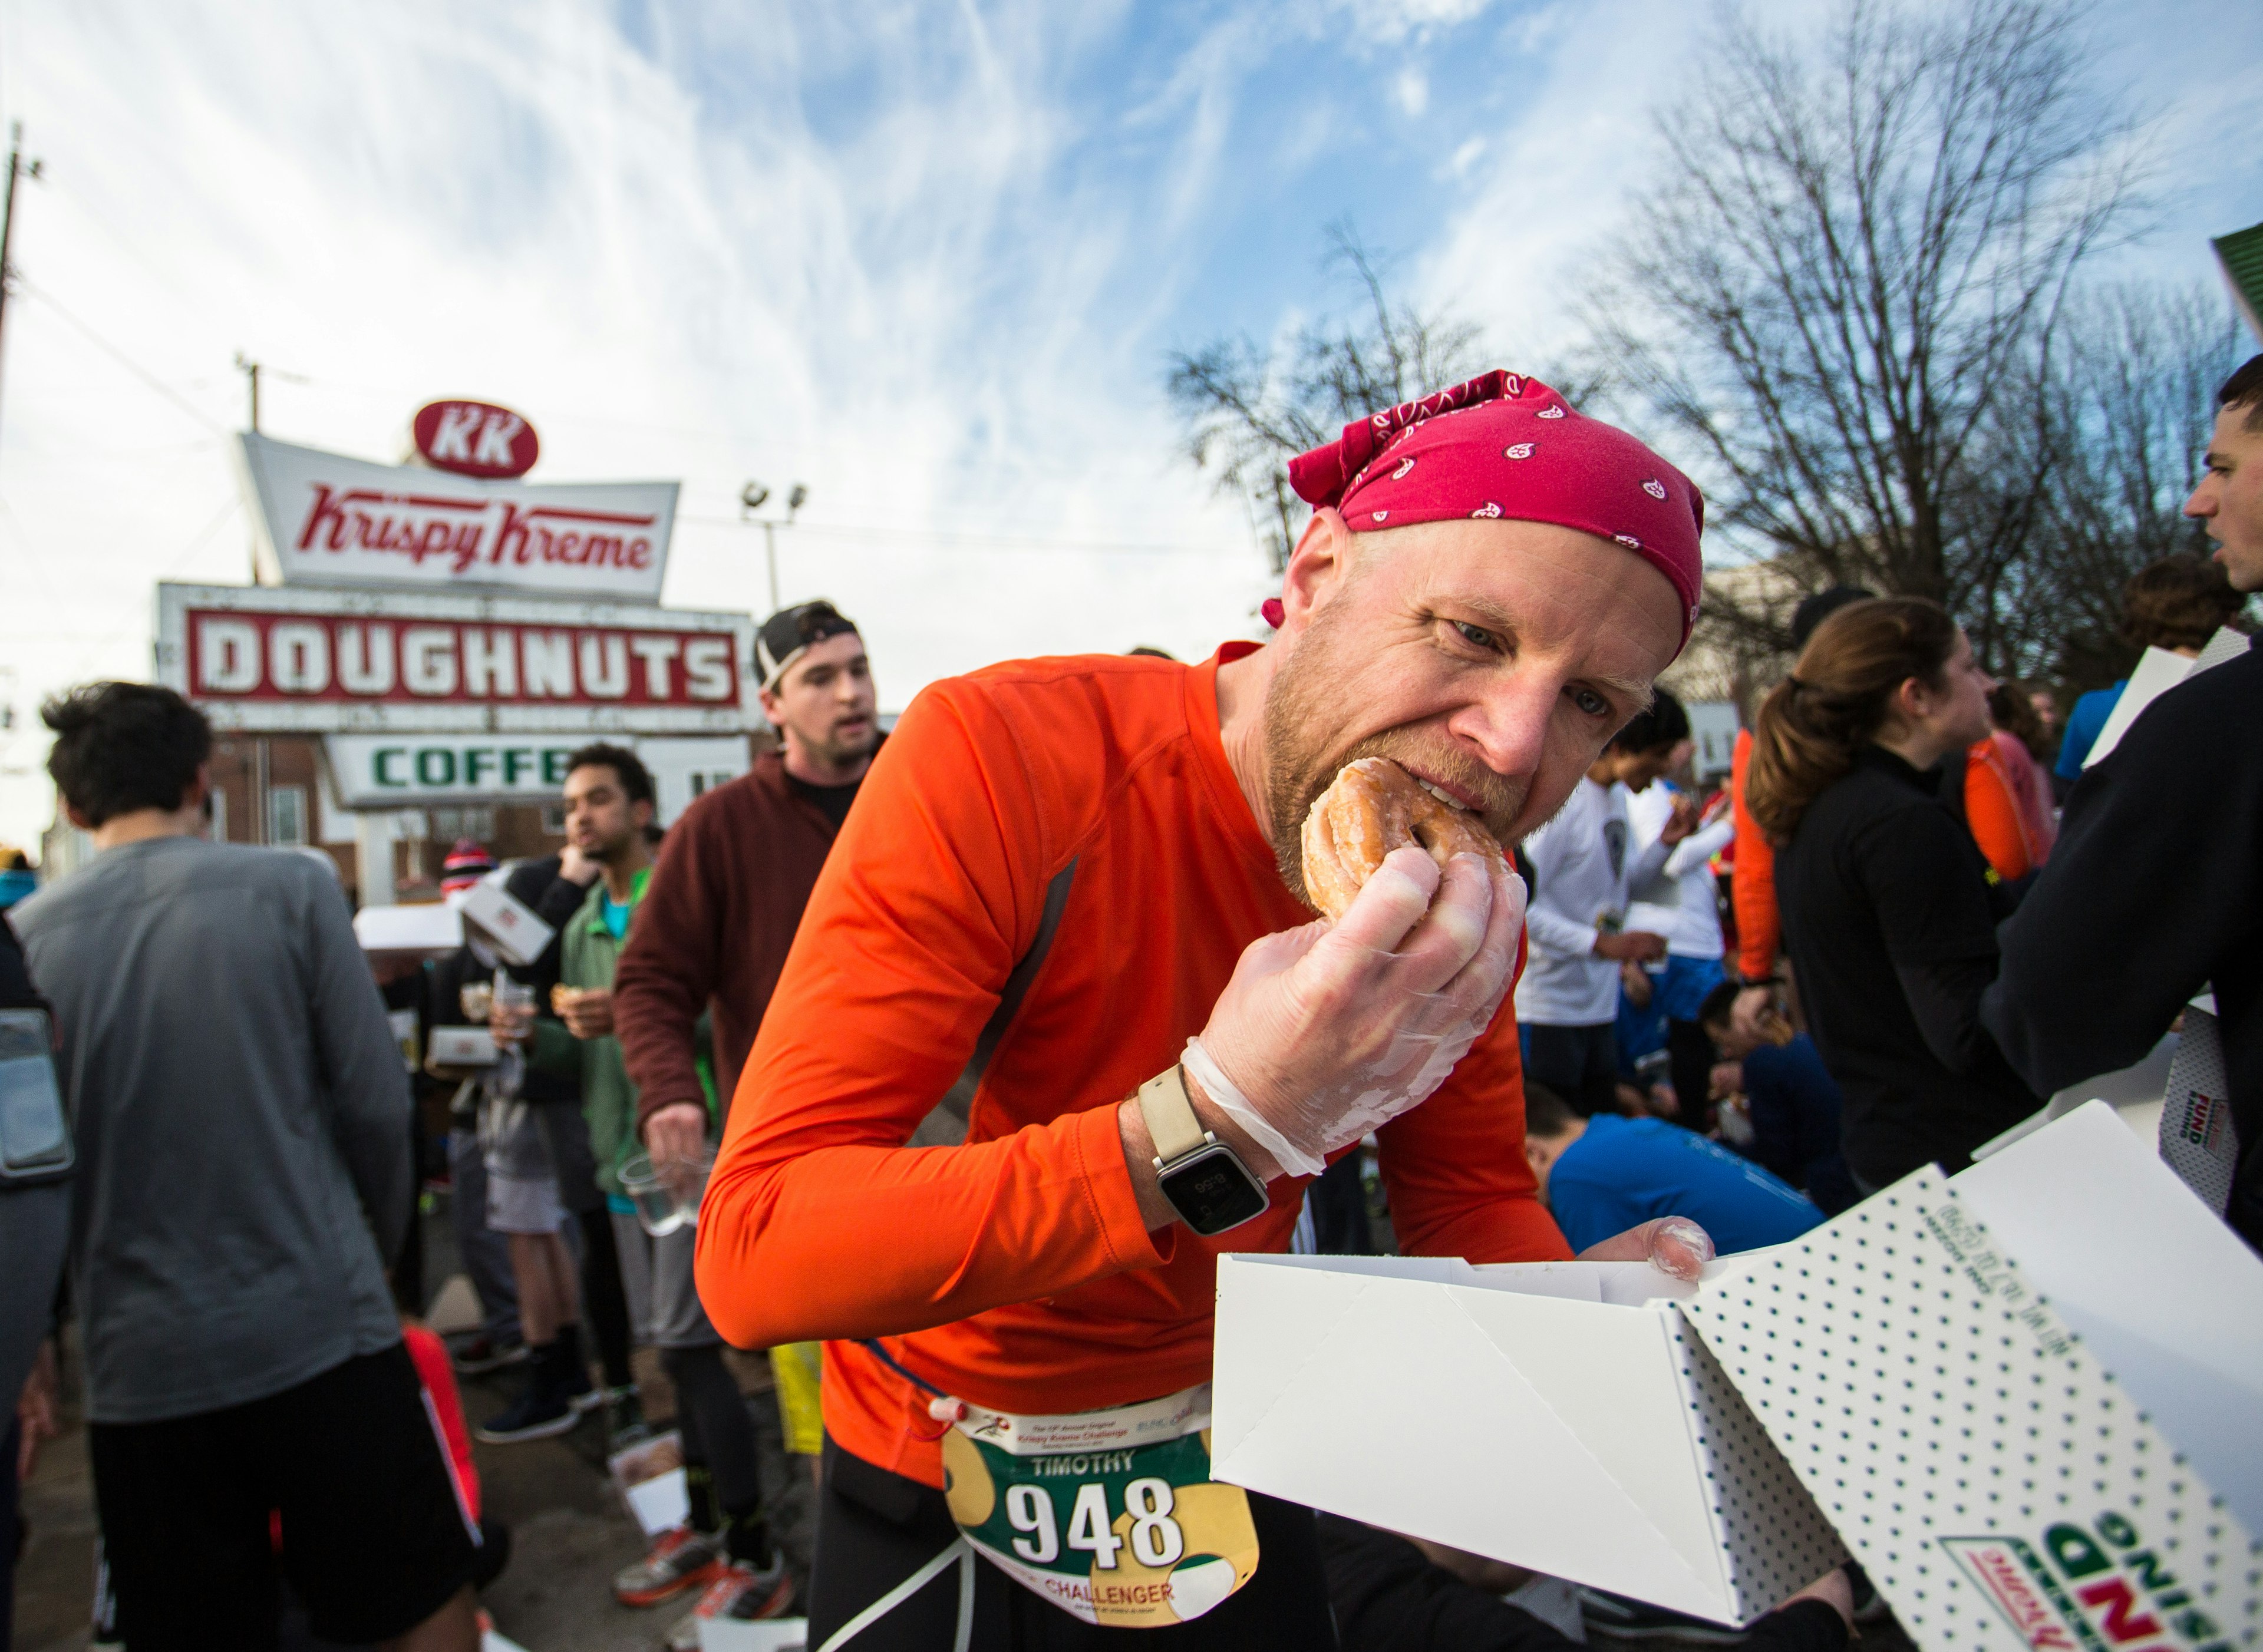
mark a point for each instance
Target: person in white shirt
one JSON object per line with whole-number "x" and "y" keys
{"x": 1582, "y": 864}
{"x": 1682, "y": 904}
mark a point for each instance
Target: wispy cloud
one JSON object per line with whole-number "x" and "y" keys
{"x": 926, "y": 257}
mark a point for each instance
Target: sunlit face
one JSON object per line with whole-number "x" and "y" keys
{"x": 825, "y": 701}
{"x": 2230, "y": 498}
{"x": 600, "y": 819}
{"x": 1492, "y": 659}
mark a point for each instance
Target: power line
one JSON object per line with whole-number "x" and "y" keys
{"x": 123, "y": 360}
{"x": 988, "y": 541}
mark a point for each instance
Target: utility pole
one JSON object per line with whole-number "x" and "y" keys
{"x": 15, "y": 168}
{"x": 250, "y": 370}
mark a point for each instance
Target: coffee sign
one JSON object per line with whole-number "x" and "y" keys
{"x": 325, "y": 519}
{"x": 275, "y": 660}
{"x": 475, "y": 439}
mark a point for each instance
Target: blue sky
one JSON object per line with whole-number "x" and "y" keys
{"x": 927, "y": 258}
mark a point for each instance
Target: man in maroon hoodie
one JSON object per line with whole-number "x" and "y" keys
{"x": 735, "y": 872}
{"x": 711, "y": 935}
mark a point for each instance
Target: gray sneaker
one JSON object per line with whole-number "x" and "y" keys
{"x": 680, "y": 1559}
{"x": 741, "y": 1595}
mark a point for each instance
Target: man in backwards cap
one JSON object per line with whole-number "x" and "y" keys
{"x": 1060, "y": 873}
{"x": 711, "y": 935}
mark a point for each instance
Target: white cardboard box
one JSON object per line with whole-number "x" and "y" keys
{"x": 773, "y": 1635}
{"x": 1556, "y": 1416}
{"x": 463, "y": 1047}
{"x": 518, "y": 933}
{"x": 1928, "y": 1372}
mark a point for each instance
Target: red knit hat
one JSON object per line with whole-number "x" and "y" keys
{"x": 1505, "y": 446}
{"x": 467, "y": 863}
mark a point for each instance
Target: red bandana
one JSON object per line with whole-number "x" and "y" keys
{"x": 1505, "y": 446}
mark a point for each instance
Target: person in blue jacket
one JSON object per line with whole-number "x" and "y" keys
{"x": 1600, "y": 1175}
{"x": 2176, "y": 603}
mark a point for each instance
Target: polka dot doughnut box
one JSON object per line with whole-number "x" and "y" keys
{"x": 2029, "y": 1399}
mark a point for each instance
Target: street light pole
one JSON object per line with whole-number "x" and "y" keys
{"x": 15, "y": 168}
{"x": 751, "y": 500}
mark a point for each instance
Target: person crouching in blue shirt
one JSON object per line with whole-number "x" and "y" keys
{"x": 1601, "y": 1175}
{"x": 1793, "y": 1098}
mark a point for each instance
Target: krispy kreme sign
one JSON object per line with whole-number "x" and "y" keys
{"x": 260, "y": 659}
{"x": 325, "y": 519}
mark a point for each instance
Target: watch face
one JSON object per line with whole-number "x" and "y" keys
{"x": 1212, "y": 1190}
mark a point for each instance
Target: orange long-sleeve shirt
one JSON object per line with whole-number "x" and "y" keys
{"x": 1015, "y": 1270}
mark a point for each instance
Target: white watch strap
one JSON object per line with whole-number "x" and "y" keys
{"x": 1171, "y": 1121}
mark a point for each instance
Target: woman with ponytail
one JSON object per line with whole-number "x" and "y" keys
{"x": 1888, "y": 909}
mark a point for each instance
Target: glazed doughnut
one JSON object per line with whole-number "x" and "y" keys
{"x": 1373, "y": 807}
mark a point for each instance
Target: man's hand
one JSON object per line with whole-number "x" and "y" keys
{"x": 510, "y": 1024}
{"x": 1835, "y": 1590}
{"x": 1327, "y": 1031}
{"x": 1682, "y": 821}
{"x": 1672, "y": 1244}
{"x": 1638, "y": 945}
{"x": 576, "y": 868}
{"x": 587, "y": 1013}
{"x": 1634, "y": 984}
{"x": 1756, "y": 1019}
{"x": 677, "y": 1133}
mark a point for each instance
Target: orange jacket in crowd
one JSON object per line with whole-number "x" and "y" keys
{"x": 2007, "y": 808}
{"x": 2007, "y": 805}
{"x": 1090, "y": 798}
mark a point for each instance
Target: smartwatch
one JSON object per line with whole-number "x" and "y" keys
{"x": 1205, "y": 1179}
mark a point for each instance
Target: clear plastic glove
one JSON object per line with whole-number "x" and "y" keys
{"x": 1327, "y": 1031}
{"x": 1672, "y": 1244}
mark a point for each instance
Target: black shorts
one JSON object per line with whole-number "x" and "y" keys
{"x": 874, "y": 1529}
{"x": 375, "y": 1538}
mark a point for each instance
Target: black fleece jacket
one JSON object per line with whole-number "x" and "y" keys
{"x": 2153, "y": 892}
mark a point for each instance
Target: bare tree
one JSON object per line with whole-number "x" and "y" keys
{"x": 1249, "y": 410}
{"x": 2128, "y": 410}
{"x": 1847, "y": 282}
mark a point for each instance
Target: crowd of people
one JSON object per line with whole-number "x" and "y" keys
{"x": 976, "y": 1045}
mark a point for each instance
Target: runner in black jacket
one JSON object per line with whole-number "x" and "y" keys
{"x": 2154, "y": 892}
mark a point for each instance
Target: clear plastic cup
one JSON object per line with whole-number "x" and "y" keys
{"x": 514, "y": 1001}
{"x": 666, "y": 1195}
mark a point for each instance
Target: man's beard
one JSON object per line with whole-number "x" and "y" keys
{"x": 1304, "y": 699}
{"x": 837, "y": 752}
{"x": 612, "y": 851}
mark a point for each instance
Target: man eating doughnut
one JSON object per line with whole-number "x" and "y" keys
{"x": 1078, "y": 883}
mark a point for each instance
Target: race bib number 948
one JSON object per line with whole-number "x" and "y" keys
{"x": 1135, "y": 1538}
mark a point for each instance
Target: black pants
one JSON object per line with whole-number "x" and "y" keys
{"x": 874, "y": 1529}
{"x": 604, "y": 1304}
{"x": 1691, "y": 1052}
{"x": 1579, "y": 1064}
{"x": 1339, "y": 1196}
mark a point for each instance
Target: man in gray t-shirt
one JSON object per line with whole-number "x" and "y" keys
{"x": 242, "y": 1124}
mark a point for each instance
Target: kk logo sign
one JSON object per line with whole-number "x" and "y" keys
{"x": 475, "y": 438}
